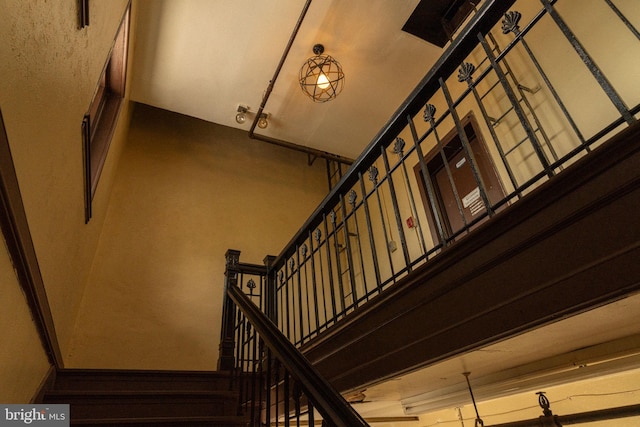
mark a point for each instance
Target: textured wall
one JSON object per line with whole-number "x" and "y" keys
{"x": 50, "y": 71}
{"x": 186, "y": 191}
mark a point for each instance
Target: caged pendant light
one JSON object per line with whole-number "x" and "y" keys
{"x": 321, "y": 76}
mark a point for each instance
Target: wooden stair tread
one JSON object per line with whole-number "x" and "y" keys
{"x": 141, "y": 398}
{"x": 106, "y": 379}
{"x": 142, "y": 393}
{"x": 141, "y": 372}
{"x": 223, "y": 420}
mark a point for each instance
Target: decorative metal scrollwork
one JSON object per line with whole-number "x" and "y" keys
{"x": 465, "y": 72}
{"x": 332, "y": 217}
{"x": 281, "y": 277}
{"x": 429, "y": 112}
{"x": 398, "y": 147}
{"x": 544, "y": 404}
{"x": 317, "y": 235}
{"x": 510, "y": 22}
{"x": 292, "y": 265}
{"x": 548, "y": 419}
{"x": 373, "y": 174}
{"x": 303, "y": 250}
{"x": 251, "y": 284}
{"x": 353, "y": 196}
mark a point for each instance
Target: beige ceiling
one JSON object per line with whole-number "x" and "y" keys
{"x": 202, "y": 58}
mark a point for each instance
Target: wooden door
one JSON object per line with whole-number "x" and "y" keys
{"x": 457, "y": 197}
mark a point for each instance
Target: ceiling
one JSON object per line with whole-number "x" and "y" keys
{"x": 203, "y": 58}
{"x": 593, "y": 344}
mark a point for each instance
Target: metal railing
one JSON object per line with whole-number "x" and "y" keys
{"x": 274, "y": 380}
{"x": 516, "y": 98}
{"x": 524, "y": 90}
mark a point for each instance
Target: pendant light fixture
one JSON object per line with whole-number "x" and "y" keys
{"x": 321, "y": 76}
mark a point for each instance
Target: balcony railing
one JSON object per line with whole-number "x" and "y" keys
{"x": 524, "y": 90}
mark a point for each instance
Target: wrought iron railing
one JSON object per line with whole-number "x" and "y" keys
{"x": 524, "y": 90}
{"x": 276, "y": 384}
{"x": 517, "y": 97}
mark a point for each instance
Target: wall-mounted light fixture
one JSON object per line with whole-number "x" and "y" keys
{"x": 262, "y": 121}
{"x": 321, "y": 76}
{"x": 243, "y": 111}
{"x": 241, "y": 117}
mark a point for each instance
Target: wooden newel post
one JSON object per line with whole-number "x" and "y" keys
{"x": 271, "y": 308}
{"x": 226, "y": 358}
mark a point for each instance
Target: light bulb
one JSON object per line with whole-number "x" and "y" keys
{"x": 241, "y": 117}
{"x": 323, "y": 81}
{"x": 262, "y": 121}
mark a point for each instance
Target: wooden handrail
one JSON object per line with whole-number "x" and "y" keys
{"x": 15, "y": 229}
{"x": 327, "y": 400}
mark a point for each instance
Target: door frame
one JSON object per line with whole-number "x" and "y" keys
{"x": 486, "y": 168}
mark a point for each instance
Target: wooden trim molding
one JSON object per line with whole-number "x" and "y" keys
{"x": 100, "y": 121}
{"x": 83, "y": 13}
{"x": 15, "y": 229}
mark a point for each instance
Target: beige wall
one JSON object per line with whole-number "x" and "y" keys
{"x": 23, "y": 362}
{"x": 186, "y": 191}
{"x": 50, "y": 71}
{"x": 159, "y": 270}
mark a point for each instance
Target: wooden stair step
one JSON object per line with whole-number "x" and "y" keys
{"x": 210, "y": 421}
{"x": 131, "y": 404}
{"x": 139, "y": 398}
{"x": 107, "y": 379}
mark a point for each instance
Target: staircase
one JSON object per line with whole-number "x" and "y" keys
{"x": 146, "y": 398}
